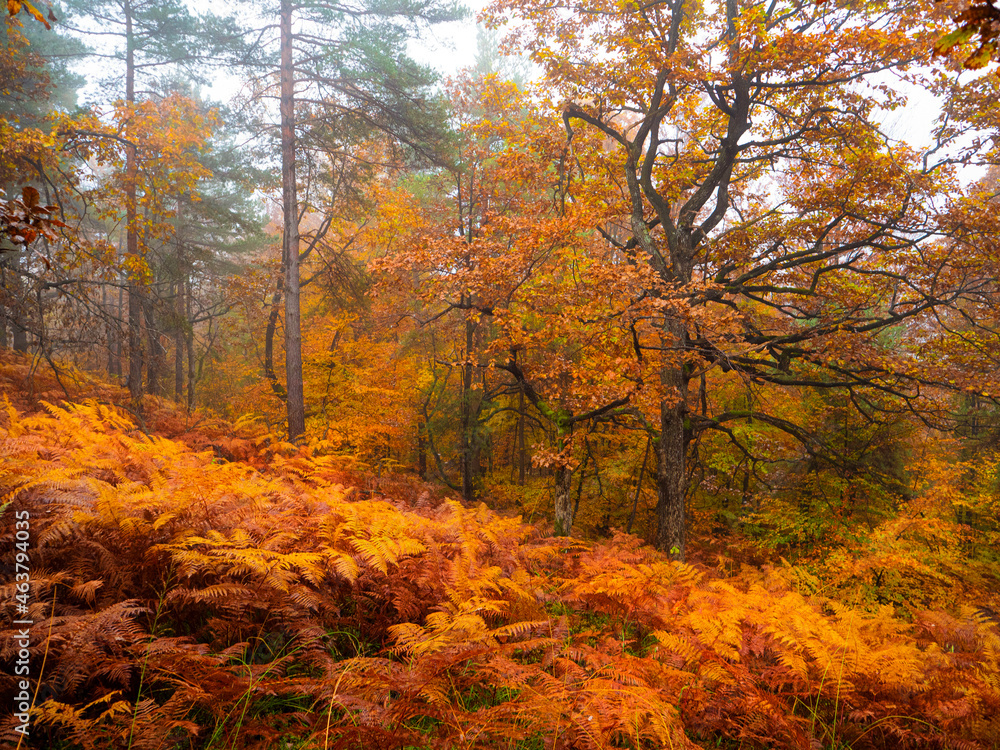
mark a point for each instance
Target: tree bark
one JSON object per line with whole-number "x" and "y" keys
{"x": 154, "y": 366}
{"x": 182, "y": 323}
{"x": 422, "y": 449}
{"x": 109, "y": 337}
{"x": 119, "y": 308}
{"x": 290, "y": 238}
{"x": 638, "y": 487}
{"x": 189, "y": 331}
{"x": 671, "y": 453}
{"x": 135, "y": 353}
{"x": 520, "y": 437}
{"x": 565, "y": 508}
{"x": 269, "y": 333}
{"x": 4, "y": 343}
{"x": 20, "y": 337}
{"x": 15, "y": 311}
{"x": 468, "y": 487}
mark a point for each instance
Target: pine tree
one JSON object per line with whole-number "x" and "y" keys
{"x": 141, "y": 39}
{"x": 343, "y": 71}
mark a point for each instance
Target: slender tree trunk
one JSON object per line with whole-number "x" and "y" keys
{"x": 118, "y": 335}
{"x": 564, "y": 506}
{"x": 422, "y": 449}
{"x": 468, "y": 488}
{"x": 290, "y": 238}
{"x": 179, "y": 366}
{"x": 269, "y": 333}
{"x": 107, "y": 330}
{"x": 671, "y": 470}
{"x": 17, "y": 310}
{"x": 189, "y": 334}
{"x": 20, "y": 337}
{"x": 638, "y": 487}
{"x": 180, "y": 320}
{"x": 521, "y": 457}
{"x": 154, "y": 366}
{"x": 182, "y": 323}
{"x": 6, "y": 294}
{"x": 135, "y": 353}
{"x": 18, "y": 321}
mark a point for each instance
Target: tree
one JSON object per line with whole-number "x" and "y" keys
{"x": 16, "y": 6}
{"x": 343, "y": 72}
{"x": 978, "y": 28}
{"x": 38, "y": 90}
{"x": 783, "y": 229}
{"x": 154, "y": 146}
{"x": 144, "y": 37}
{"x": 215, "y": 228}
{"x": 486, "y": 258}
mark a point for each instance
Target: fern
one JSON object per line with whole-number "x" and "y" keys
{"x": 178, "y": 599}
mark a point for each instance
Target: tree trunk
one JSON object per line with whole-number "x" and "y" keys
{"x": 20, "y": 337}
{"x": 189, "y": 331}
{"x": 521, "y": 456}
{"x": 118, "y": 335}
{"x": 4, "y": 343}
{"x": 290, "y": 238}
{"x": 154, "y": 367}
{"x": 182, "y": 323}
{"x": 671, "y": 453}
{"x": 468, "y": 488}
{"x": 565, "y": 508}
{"x": 135, "y": 353}
{"x": 269, "y": 333}
{"x": 422, "y": 449}
{"x": 638, "y": 487}
{"x": 16, "y": 315}
{"x": 107, "y": 330}
{"x": 179, "y": 365}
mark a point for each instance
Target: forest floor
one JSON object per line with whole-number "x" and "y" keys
{"x": 182, "y": 582}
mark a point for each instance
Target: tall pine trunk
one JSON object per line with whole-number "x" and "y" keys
{"x": 290, "y": 237}
{"x": 135, "y": 352}
{"x": 189, "y": 334}
{"x": 182, "y": 323}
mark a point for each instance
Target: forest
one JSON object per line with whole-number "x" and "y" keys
{"x": 634, "y": 386}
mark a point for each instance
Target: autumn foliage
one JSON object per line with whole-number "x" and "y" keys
{"x": 650, "y": 404}
{"x": 183, "y": 600}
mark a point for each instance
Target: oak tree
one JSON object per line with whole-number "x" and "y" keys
{"x": 750, "y": 171}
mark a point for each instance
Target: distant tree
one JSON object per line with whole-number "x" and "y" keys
{"x": 139, "y": 39}
{"x": 36, "y": 85}
{"x": 214, "y": 229}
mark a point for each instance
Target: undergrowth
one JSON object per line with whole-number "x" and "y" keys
{"x": 183, "y": 601}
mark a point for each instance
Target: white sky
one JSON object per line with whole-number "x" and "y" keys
{"x": 449, "y": 47}
{"x": 446, "y": 47}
